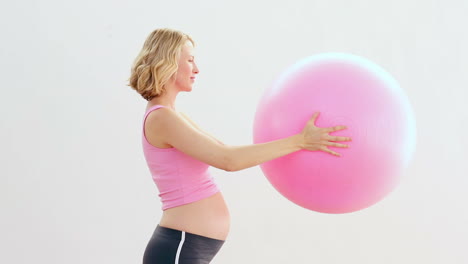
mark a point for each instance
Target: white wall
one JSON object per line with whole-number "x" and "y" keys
{"x": 75, "y": 187}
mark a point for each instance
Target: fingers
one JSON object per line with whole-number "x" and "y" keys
{"x": 335, "y": 128}
{"x": 333, "y": 144}
{"x": 314, "y": 117}
{"x": 325, "y": 149}
{"x": 336, "y": 138}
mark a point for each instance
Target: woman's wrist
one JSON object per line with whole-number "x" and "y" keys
{"x": 298, "y": 141}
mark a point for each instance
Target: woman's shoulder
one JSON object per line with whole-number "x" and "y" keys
{"x": 164, "y": 117}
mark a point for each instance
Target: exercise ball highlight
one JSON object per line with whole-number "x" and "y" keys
{"x": 347, "y": 90}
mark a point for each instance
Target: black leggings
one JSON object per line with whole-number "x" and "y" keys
{"x": 171, "y": 246}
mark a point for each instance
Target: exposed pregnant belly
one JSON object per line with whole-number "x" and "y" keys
{"x": 207, "y": 217}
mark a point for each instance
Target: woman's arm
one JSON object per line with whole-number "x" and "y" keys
{"x": 197, "y": 127}
{"x": 177, "y": 132}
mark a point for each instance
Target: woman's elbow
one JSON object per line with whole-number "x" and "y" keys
{"x": 230, "y": 167}
{"x": 229, "y": 162}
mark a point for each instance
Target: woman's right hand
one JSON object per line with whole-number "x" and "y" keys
{"x": 317, "y": 138}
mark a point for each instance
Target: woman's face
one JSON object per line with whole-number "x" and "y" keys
{"x": 185, "y": 76}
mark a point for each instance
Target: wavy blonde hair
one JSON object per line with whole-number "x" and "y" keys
{"x": 157, "y": 62}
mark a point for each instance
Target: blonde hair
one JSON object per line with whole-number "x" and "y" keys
{"x": 157, "y": 62}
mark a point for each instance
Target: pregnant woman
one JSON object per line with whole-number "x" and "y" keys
{"x": 195, "y": 220}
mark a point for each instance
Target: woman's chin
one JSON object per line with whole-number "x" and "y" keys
{"x": 185, "y": 89}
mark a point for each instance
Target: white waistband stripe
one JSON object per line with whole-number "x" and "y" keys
{"x": 180, "y": 247}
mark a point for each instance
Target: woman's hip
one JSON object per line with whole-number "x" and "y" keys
{"x": 168, "y": 245}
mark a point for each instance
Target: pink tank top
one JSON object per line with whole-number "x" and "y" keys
{"x": 179, "y": 178}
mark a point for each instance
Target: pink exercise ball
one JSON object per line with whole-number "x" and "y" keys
{"x": 347, "y": 90}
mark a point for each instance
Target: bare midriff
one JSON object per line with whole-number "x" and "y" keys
{"x": 207, "y": 217}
